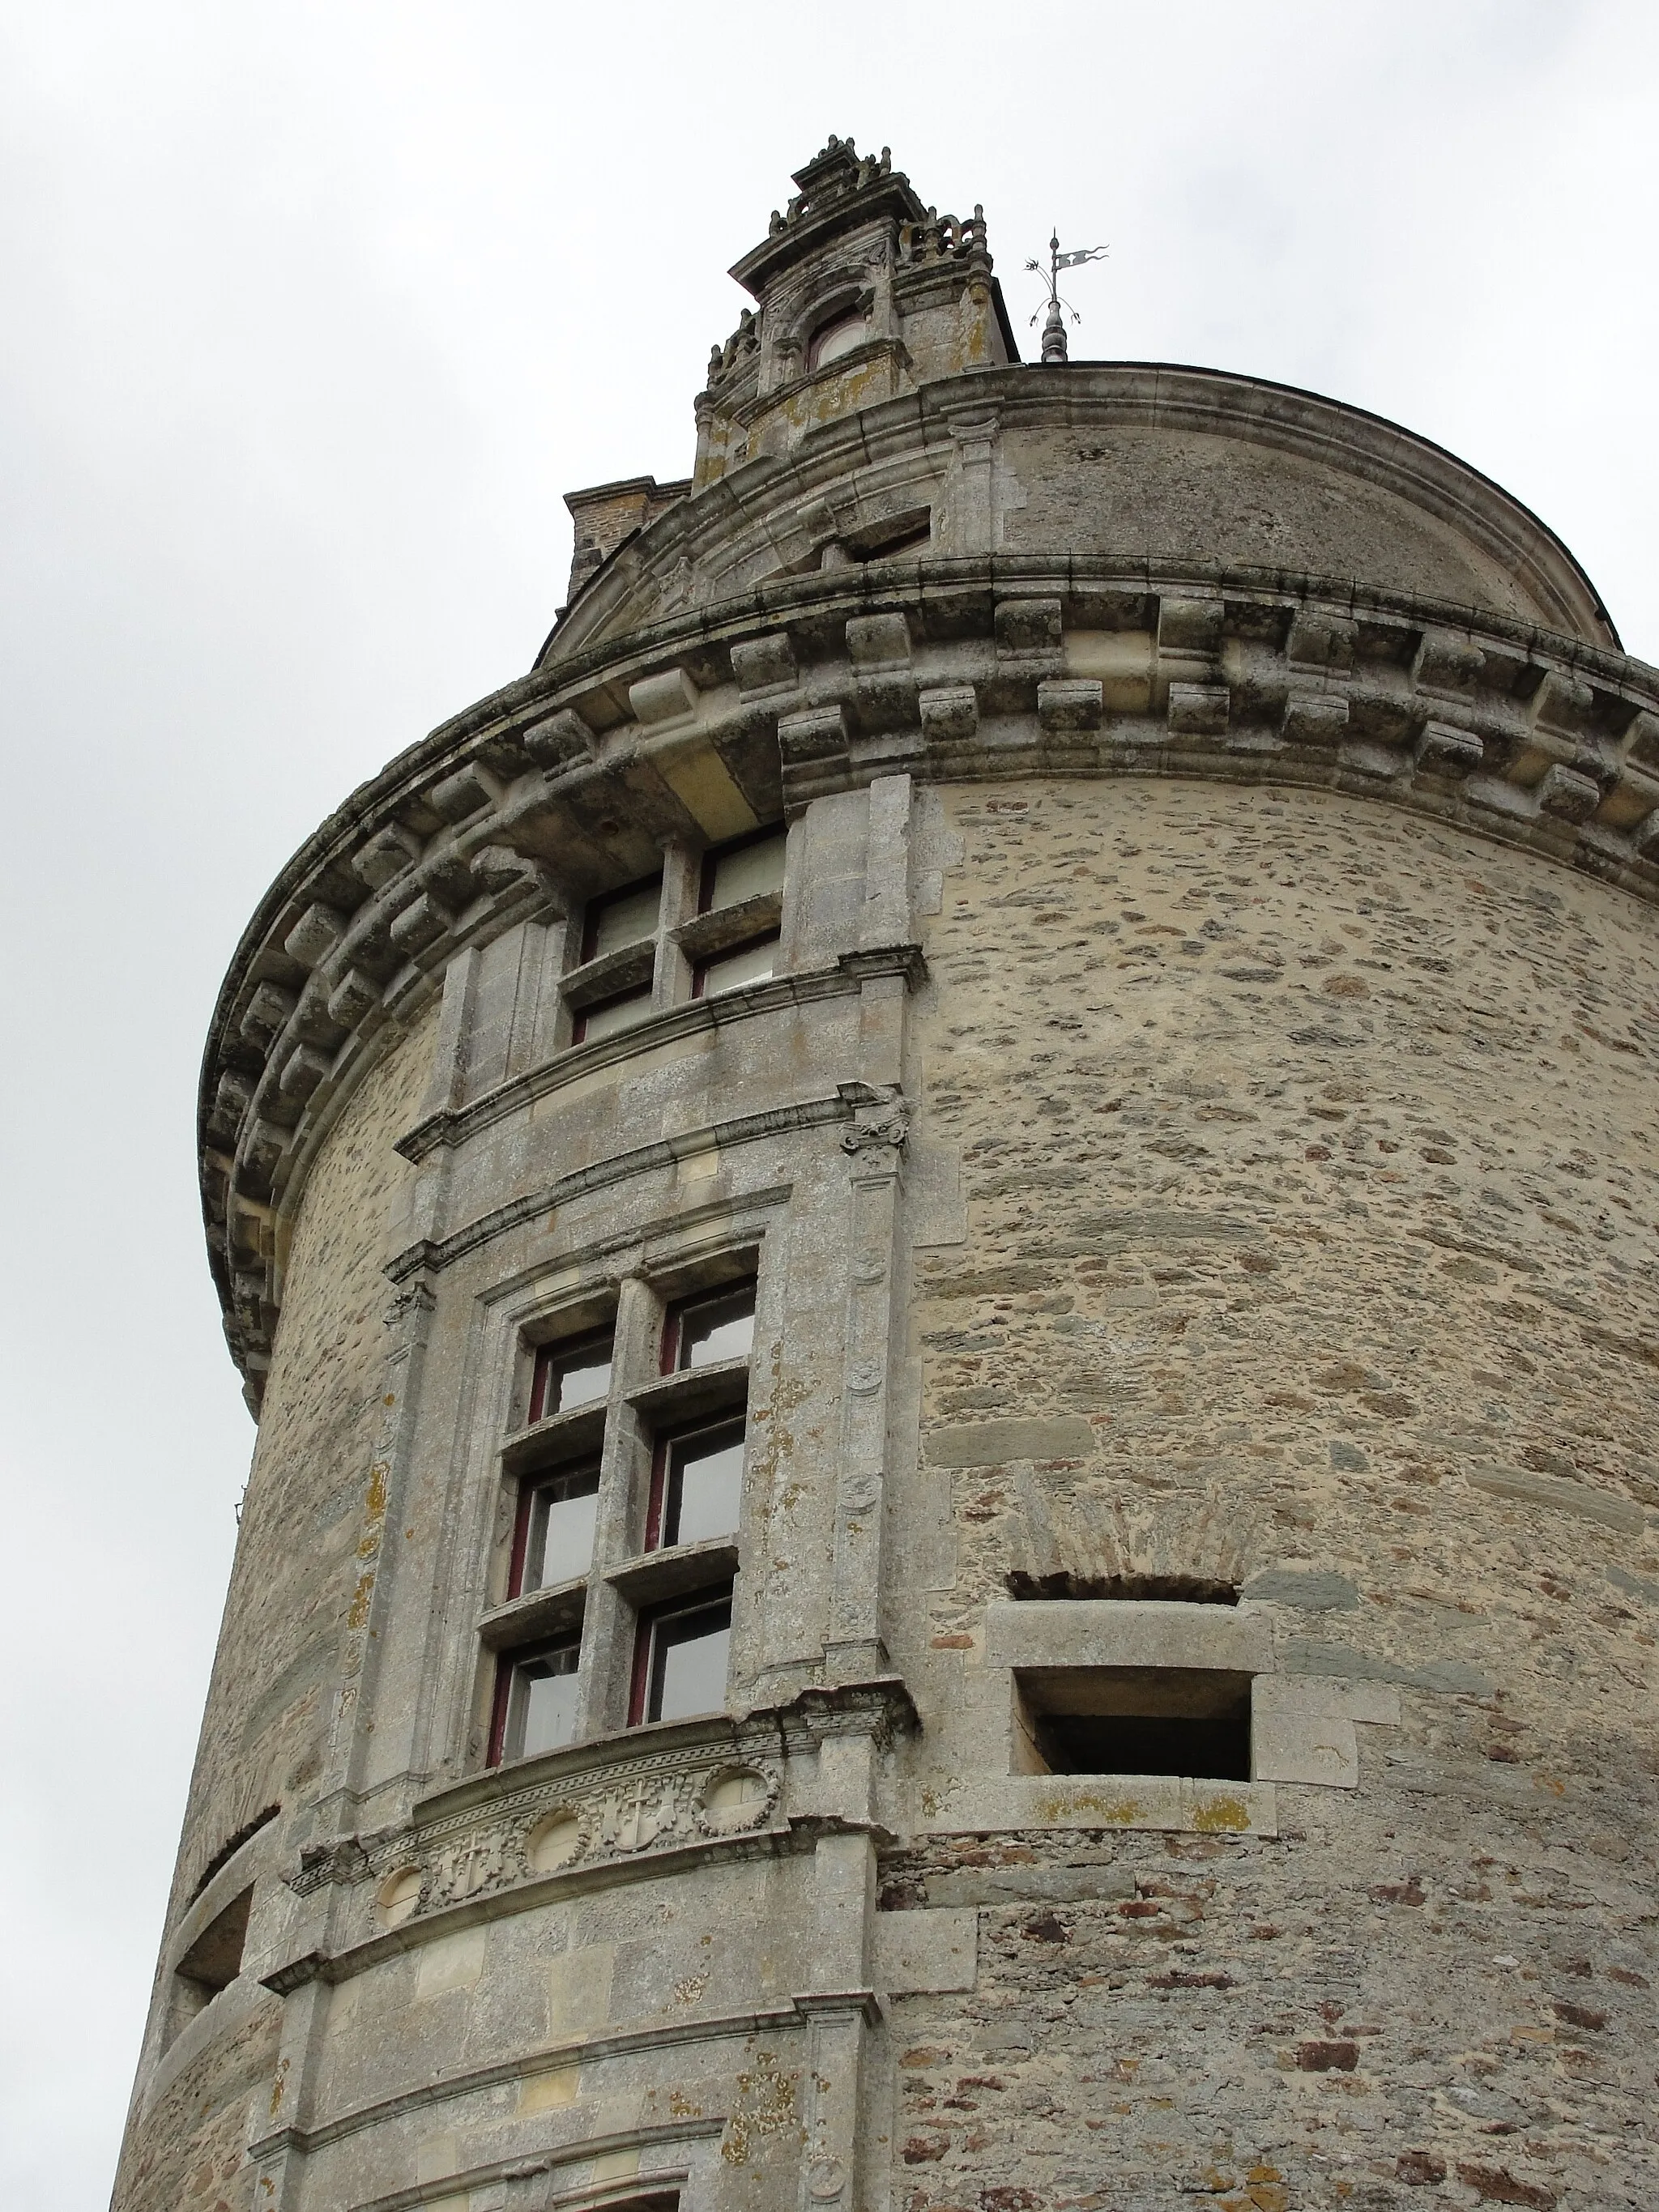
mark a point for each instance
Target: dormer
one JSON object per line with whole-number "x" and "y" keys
{"x": 861, "y": 294}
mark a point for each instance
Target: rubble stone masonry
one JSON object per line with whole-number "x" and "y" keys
{"x": 1306, "y": 1159}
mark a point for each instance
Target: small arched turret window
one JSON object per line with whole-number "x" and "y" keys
{"x": 847, "y": 328}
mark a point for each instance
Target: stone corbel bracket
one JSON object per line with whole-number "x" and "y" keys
{"x": 569, "y": 782}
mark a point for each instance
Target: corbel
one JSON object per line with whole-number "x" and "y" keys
{"x": 884, "y": 684}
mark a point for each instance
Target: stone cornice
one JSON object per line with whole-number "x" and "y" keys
{"x": 968, "y": 669}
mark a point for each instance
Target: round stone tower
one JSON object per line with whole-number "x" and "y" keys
{"x": 947, "y": 1250}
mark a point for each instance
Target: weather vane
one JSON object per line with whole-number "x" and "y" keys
{"x": 1054, "y": 328}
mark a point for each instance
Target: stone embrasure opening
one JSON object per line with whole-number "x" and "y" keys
{"x": 1185, "y": 1590}
{"x": 1189, "y": 1721}
{"x": 227, "y": 1850}
{"x": 213, "y": 1961}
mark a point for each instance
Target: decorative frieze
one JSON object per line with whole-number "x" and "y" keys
{"x": 660, "y": 1803}
{"x": 584, "y": 1811}
{"x": 881, "y": 1116}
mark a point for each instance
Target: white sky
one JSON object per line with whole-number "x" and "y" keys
{"x": 311, "y": 314}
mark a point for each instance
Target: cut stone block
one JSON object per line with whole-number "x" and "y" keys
{"x": 1067, "y": 704}
{"x": 663, "y": 698}
{"x": 1199, "y": 709}
{"x": 950, "y": 714}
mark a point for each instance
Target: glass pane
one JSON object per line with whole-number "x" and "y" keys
{"x": 561, "y": 1539}
{"x": 543, "y": 1711}
{"x": 578, "y": 1378}
{"x": 747, "y": 873}
{"x": 839, "y": 338}
{"x": 625, "y": 920}
{"x": 721, "y": 1328}
{"x": 688, "y": 1663}
{"x": 615, "y": 1014}
{"x": 705, "y": 1485}
{"x": 750, "y": 964}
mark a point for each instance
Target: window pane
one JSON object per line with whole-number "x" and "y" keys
{"x": 559, "y": 1544}
{"x": 750, "y": 964}
{"x": 615, "y": 922}
{"x": 688, "y": 1663}
{"x": 721, "y": 1327}
{"x": 837, "y": 338}
{"x": 542, "y": 1714}
{"x": 614, "y": 1014}
{"x": 705, "y": 1485}
{"x": 567, "y": 1378}
{"x": 746, "y": 873}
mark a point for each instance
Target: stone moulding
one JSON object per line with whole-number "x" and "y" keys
{"x": 587, "y": 1817}
{"x": 456, "y": 1125}
{"x": 1157, "y": 1804}
{"x": 586, "y": 2050}
{"x": 433, "y": 1255}
{"x": 1504, "y": 730}
{"x": 581, "y": 2051}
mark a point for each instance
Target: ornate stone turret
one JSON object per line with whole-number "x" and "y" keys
{"x": 862, "y": 293}
{"x": 947, "y": 1248}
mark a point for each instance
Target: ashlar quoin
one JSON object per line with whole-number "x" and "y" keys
{"x": 945, "y": 1248}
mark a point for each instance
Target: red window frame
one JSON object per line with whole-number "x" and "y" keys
{"x": 578, "y": 1027}
{"x": 700, "y": 973}
{"x": 737, "y": 1419}
{"x": 506, "y": 1667}
{"x": 559, "y": 1351}
{"x": 669, "y": 1351}
{"x": 528, "y": 1485}
{"x": 716, "y": 854}
{"x": 595, "y": 909}
{"x": 639, "y": 1689}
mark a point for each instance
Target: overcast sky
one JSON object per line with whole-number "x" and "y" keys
{"x": 311, "y": 314}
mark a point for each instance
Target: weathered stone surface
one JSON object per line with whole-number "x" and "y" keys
{"x": 1186, "y": 1115}
{"x": 763, "y": 664}
{"x": 1318, "y": 1591}
{"x": 1199, "y": 709}
{"x": 992, "y": 1444}
{"x": 1118, "y": 1632}
{"x": 1065, "y": 704}
{"x": 950, "y": 712}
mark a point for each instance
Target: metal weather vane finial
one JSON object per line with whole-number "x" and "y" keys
{"x": 1054, "y": 328}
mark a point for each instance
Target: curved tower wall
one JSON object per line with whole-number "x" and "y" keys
{"x": 1189, "y": 1155}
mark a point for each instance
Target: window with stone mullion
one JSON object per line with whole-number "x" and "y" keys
{"x": 549, "y": 1690}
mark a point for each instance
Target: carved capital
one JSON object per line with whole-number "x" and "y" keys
{"x": 881, "y": 1115}
{"x": 411, "y": 1304}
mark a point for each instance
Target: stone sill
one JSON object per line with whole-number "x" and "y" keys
{"x": 1159, "y": 1802}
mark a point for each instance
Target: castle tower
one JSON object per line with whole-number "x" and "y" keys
{"x": 946, "y": 1248}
